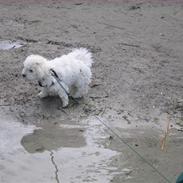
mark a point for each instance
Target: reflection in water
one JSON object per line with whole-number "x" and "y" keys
{"x": 52, "y": 137}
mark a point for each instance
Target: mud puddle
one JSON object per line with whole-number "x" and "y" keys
{"x": 55, "y": 153}
{"x": 7, "y": 44}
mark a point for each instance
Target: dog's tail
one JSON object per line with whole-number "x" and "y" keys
{"x": 84, "y": 55}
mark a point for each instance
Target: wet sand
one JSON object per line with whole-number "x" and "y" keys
{"x": 137, "y": 87}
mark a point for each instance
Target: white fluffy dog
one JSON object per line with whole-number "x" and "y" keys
{"x": 73, "y": 70}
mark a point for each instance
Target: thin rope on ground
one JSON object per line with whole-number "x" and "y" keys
{"x": 130, "y": 147}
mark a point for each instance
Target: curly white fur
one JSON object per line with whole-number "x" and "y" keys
{"x": 73, "y": 69}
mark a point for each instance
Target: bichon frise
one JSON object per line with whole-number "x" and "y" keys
{"x": 73, "y": 71}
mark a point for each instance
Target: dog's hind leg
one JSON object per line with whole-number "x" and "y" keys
{"x": 81, "y": 88}
{"x": 80, "y": 91}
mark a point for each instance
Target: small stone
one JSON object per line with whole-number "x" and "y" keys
{"x": 78, "y": 4}
{"x": 110, "y": 137}
{"x": 40, "y": 149}
{"x": 81, "y": 130}
{"x": 135, "y": 7}
{"x": 161, "y": 34}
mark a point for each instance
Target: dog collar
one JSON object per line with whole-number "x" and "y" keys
{"x": 40, "y": 84}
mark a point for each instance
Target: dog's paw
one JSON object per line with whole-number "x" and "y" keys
{"x": 42, "y": 94}
{"x": 65, "y": 103}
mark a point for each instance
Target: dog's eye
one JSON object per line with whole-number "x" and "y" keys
{"x": 30, "y": 70}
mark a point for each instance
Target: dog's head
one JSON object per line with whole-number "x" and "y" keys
{"x": 35, "y": 68}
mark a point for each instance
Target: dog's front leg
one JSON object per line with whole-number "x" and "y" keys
{"x": 64, "y": 97}
{"x": 43, "y": 93}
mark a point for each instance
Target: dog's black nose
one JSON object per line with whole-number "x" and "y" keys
{"x": 23, "y": 75}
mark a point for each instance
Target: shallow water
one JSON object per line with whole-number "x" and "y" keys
{"x": 61, "y": 153}
{"x": 7, "y": 44}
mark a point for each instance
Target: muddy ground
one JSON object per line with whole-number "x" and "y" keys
{"x": 137, "y": 88}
